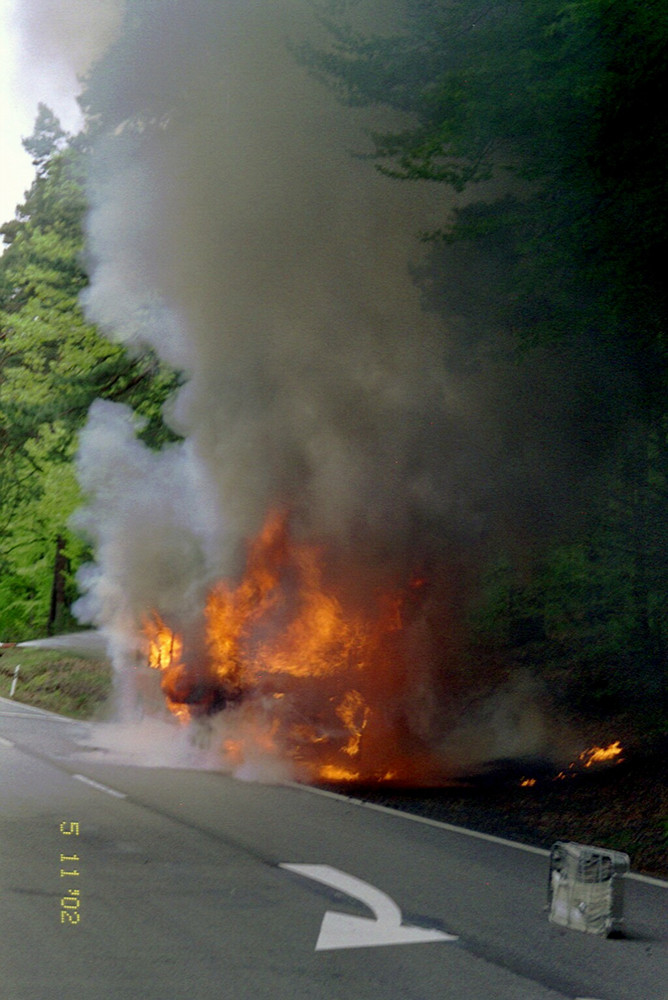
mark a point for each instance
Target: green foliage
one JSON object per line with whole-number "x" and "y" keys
{"x": 47, "y": 138}
{"x": 487, "y": 87}
{"x": 590, "y": 619}
{"x": 53, "y": 364}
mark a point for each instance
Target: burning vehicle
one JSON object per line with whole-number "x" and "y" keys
{"x": 301, "y": 678}
{"x": 324, "y": 686}
{"x": 292, "y": 558}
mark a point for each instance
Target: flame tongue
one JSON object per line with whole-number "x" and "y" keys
{"x": 601, "y": 755}
{"x": 279, "y": 620}
{"x": 164, "y": 646}
{"x": 305, "y": 670}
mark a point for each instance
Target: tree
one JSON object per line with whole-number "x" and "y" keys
{"x": 53, "y": 364}
{"x": 560, "y": 104}
{"x": 48, "y": 138}
{"x": 560, "y": 107}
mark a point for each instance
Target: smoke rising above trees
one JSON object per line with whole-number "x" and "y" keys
{"x": 331, "y": 363}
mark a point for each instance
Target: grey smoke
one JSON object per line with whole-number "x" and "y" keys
{"x": 231, "y": 230}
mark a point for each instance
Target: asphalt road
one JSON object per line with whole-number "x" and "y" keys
{"x": 166, "y": 883}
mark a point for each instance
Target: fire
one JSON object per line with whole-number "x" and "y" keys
{"x": 315, "y": 642}
{"x": 164, "y": 646}
{"x": 331, "y": 772}
{"x": 307, "y": 674}
{"x": 599, "y": 755}
{"x": 299, "y": 667}
{"x": 354, "y": 714}
{"x": 181, "y": 712}
{"x": 589, "y": 757}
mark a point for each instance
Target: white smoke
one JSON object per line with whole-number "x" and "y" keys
{"x": 149, "y": 517}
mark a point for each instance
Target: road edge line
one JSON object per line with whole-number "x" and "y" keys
{"x": 451, "y": 828}
{"x": 42, "y": 711}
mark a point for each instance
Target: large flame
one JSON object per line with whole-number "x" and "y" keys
{"x": 318, "y": 683}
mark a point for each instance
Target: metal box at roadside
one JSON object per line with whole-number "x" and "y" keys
{"x": 586, "y": 887}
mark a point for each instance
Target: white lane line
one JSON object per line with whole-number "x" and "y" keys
{"x": 475, "y": 834}
{"x": 99, "y": 787}
{"x": 15, "y": 705}
{"x": 5, "y": 743}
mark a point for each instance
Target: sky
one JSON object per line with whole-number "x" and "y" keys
{"x": 15, "y": 119}
{"x": 30, "y": 71}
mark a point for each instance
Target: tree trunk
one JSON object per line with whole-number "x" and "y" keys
{"x": 58, "y": 589}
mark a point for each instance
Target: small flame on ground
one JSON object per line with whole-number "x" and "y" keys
{"x": 589, "y": 757}
{"x": 599, "y": 755}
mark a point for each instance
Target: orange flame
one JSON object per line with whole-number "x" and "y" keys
{"x": 591, "y": 756}
{"x": 304, "y": 668}
{"x": 354, "y": 714}
{"x": 599, "y": 755}
{"x": 164, "y": 646}
{"x": 332, "y": 772}
{"x": 311, "y": 640}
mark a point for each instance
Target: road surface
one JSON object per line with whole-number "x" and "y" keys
{"x": 165, "y": 883}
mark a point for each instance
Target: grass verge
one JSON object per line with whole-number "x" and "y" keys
{"x": 59, "y": 681}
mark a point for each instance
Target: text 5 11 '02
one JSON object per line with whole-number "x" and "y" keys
{"x": 69, "y": 904}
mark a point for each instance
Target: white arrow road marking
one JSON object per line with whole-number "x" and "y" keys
{"x": 341, "y": 930}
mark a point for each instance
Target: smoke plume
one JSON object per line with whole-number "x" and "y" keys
{"x": 232, "y": 231}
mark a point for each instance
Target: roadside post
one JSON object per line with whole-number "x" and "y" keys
{"x": 14, "y": 680}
